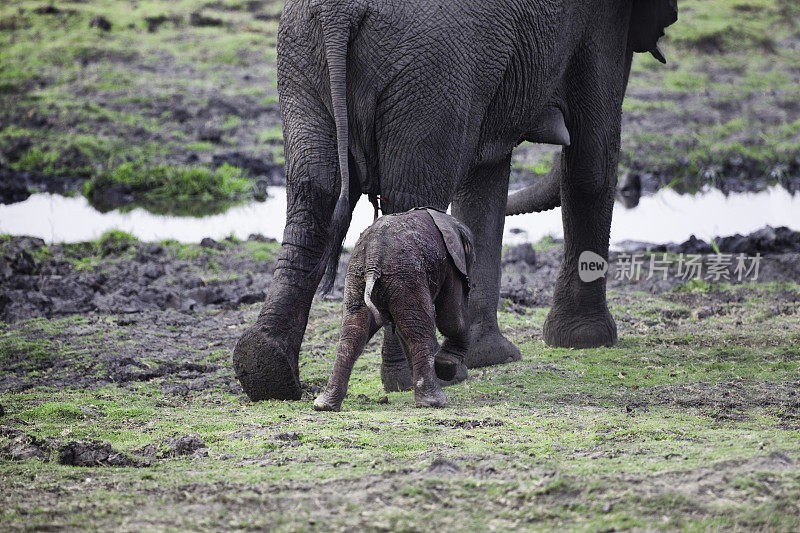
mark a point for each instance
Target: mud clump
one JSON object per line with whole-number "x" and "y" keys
{"x": 154, "y": 23}
{"x": 22, "y": 446}
{"x": 17, "y": 186}
{"x": 101, "y": 23}
{"x": 180, "y": 446}
{"x": 95, "y": 453}
{"x": 50, "y": 9}
{"x": 201, "y": 20}
{"x": 290, "y": 438}
{"x": 441, "y": 466}
{"x": 767, "y": 240}
{"x": 184, "y": 445}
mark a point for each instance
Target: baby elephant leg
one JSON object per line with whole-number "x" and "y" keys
{"x": 414, "y": 323}
{"x": 358, "y": 327}
{"x": 452, "y": 319}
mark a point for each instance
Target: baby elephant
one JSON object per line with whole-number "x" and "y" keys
{"x": 410, "y": 270}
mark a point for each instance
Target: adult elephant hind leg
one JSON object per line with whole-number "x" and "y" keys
{"x": 266, "y": 357}
{"x": 481, "y": 205}
{"x": 579, "y": 317}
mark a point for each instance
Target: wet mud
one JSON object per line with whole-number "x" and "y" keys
{"x": 67, "y": 279}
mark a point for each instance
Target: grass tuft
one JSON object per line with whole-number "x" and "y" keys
{"x": 180, "y": 190}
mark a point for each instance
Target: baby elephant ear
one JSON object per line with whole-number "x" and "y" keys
{"x": 469, "y": 248}
{"x": 454, "y": 241}
{"x": 648, "y": 20}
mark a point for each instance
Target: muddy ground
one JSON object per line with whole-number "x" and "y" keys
{"x": 118, "y": 405}
{"x": 122, "y": 275}
{"x": 119, "y": 408}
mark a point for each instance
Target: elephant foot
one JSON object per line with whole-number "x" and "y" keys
{"x": 264, "y": 368}
{"x": 327, "y": 402}
{"x": 396, "y": 377}
{"x": 490, "y": 348}
{"x": 566, "y": 329}
{"x": 450, "y": 369}
{"x": 431, "y": 398}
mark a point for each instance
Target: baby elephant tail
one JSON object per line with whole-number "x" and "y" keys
{"x": 372, "y": 276}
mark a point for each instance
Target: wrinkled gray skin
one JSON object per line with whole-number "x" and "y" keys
{"x": 401, "y": 273}
{"x": 423, "y": 102}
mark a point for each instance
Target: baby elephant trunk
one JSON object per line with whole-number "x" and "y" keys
{"x": 372, "y": 276}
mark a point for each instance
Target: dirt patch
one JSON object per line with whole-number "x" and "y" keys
{"x": 529, "y": 276}
{"x": 531, "y": 496}
{"x": 470, "y": 424}
{"x": 715, "y": 484}
{"x": 20, "y": 446}
{"x": 724, "y": 395}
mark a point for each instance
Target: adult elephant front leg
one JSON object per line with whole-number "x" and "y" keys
{"x": 481, "y": 204}
{"x": 579, "y": 317}
{"x": 266, "y": 356}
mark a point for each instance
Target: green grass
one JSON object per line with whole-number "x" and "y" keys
{"x": 28, "y": 354}
{"x": 176, "y": 189}
{"x": 672, "y": 429}
{"x": 707, "y": 25}
{"x": 261, "y": 251}
{"x": 89, "y": 102}
{"x": 115, "y": 242}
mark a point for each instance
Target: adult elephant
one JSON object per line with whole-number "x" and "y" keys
{"x": 422, "y": 102}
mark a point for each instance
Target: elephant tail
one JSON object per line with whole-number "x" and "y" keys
{"x": 336, "y": 36}
{"x": 372, "y": 276}
{"x": 543, "y": 195}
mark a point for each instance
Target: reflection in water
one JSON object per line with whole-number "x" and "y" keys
{"x": 663, "y": 217}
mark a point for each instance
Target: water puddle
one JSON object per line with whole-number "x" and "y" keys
{"x": 665, "y": 216}
{"x": 668, "y": 216}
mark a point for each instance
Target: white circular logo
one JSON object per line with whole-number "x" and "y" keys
{"x": 591, "y": 266}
